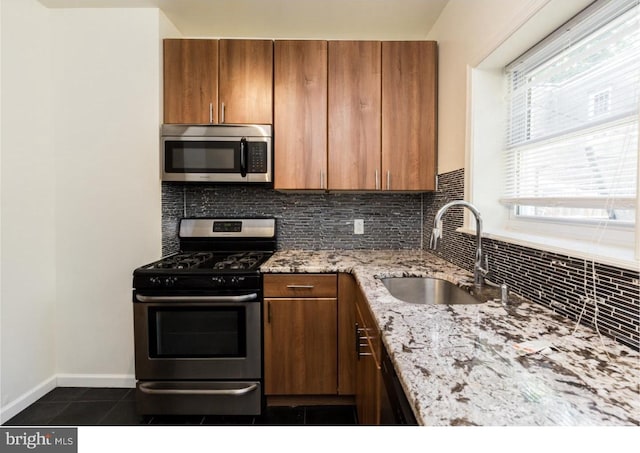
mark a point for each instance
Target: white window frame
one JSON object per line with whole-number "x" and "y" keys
{"x": 603, "y": 242}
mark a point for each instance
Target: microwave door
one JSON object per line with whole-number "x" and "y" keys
{"x": 204, "y": 160}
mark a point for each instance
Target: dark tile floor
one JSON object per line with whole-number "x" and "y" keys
{"x": 81, "y": 406}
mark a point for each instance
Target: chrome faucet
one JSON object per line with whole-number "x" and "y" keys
{"x": 481, "y": 265}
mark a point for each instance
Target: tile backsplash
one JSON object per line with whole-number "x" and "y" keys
{"x": 311, "y": 221}
{"x": 315, "y": 221}
{"x": 601, "y": 296}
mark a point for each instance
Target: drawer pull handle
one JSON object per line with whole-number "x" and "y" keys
{"x": 148, "y": 388}
{"x": 300, "y": 286}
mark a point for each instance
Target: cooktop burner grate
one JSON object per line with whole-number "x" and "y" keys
{"x": 210, "y": 260}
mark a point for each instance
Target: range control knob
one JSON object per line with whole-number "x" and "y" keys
{"x": 235, "y": 281}
{"x": 155, "y": 281}
{"x": 218, "y": 281}
{"x": 170, "y": 281}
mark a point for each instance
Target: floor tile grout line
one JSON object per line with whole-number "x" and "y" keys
{"x": 107, "y": 413}
{"x": 49, "y": 422}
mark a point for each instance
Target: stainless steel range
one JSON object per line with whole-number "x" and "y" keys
{"x": 197, "y": 320}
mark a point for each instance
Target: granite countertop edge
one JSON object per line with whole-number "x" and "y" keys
{"x": 458, "y": 364}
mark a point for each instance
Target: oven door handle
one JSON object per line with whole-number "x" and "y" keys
{"x": 243, "y": 298}
{"x": 146, "y": 388}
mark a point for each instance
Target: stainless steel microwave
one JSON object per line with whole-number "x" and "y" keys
{"x": 217, "y": 153}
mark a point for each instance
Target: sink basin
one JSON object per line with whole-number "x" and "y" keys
{"x": 427, "y": 290}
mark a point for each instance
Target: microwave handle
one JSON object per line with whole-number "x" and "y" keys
{"x": 244, "y": 150}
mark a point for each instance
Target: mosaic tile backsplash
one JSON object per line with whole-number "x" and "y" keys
{"x": 609, "y": 302}
{"x": 304, "y": 221}
{"x": 315, "y": 221}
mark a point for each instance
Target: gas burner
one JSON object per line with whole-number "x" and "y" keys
{"x": 238, "y": 261}
{"x": 183, "y": 260}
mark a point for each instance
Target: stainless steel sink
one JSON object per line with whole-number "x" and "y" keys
{"x": 427, "y": 290}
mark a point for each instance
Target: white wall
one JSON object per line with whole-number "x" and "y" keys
{"x": 466, "y": 32}
{"x": 106, "y": 78}
{"x": 27, "y": 294}
{"x": 80, "y": 191}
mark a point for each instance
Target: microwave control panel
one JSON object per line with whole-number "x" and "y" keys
{"x": 257, "y": 159}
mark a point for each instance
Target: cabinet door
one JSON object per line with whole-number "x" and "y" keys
{"x": 300, "y": 344}
{"x": 246, "y": 81}
{"x": 300, "y": 114}
{"x": 190, "y": 81}
{"x": 354, "y": 115}
{"x": 368, "y": 377}
{"x": 347, "y": 293}
{"x": 409, "y": 77}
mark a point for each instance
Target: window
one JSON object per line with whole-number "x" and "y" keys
{"x": 572, "y": 127}
{"x": 600, "y": 103}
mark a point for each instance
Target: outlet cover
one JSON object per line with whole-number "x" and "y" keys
{"x": 358, "y": 226}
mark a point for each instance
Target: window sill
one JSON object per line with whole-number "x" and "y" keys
{"x": 604, "y": 254}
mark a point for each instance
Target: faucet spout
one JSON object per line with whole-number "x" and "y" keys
{"x": 481, "y": 264}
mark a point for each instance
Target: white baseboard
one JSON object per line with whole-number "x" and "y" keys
{"x": 64, "y": 380}
{"x": 27, "y": 399}
{"x": 96, "y": 380}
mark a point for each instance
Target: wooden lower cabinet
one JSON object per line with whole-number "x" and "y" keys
{"x": 311, "y": 324}
{"x": 368, "y": 388}
{"x": 300, "y": 342}
{"x": 369, "y": 380}
{"x": 300, "y": 319}
{"x": 347, "y": 293}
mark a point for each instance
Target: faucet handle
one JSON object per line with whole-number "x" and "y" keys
{"x": 436, "y": 234}
{"x": 504, "y": 294}
{"x": 433, "y": 242}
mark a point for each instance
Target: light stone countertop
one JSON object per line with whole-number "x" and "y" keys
{"x": 457, "y": 363}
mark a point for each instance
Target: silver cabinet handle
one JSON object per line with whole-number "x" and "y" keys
{"x": 300, "y": 286}
{"x": 210, "y": 112}
{"x": 147, "y": 388}
{"x": 360, "y": 345}
{"x": 222, "y": 112}
{"x": 377, "y": 180}
{"x": 243, "y": 298}
{"x": 321, "y": 179}
{"x": 388, "y": 179}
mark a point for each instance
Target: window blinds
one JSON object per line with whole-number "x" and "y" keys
{"x": 572, "y": 126}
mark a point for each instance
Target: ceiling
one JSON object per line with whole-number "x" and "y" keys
{"x": 280, "y": 19}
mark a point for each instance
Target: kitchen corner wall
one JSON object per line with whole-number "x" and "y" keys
{"x": 80, "y": 191}
{"x": 28, "y": 274}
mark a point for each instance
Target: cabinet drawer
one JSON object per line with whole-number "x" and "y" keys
{"x": 300, "y": 285}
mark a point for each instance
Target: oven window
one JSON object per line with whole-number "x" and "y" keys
{"x": 202, "y": 157}
{"x": 193, "y": 332}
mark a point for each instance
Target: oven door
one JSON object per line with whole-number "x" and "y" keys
{"x": 216, "y": 159}
{"x": 197, "y": 337}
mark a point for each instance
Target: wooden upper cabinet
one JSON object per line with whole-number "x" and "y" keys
{"x": 190, "y": 81}
{"x": 354, "y": 115}
{"x": 409, "y": 108}
{"x": 300, "y": 115}
{"x": 246, "y": 81}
